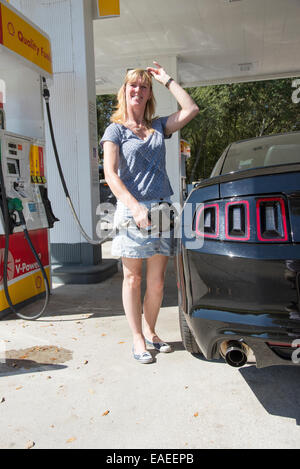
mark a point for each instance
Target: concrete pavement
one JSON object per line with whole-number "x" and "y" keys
{"x": 69, "y": 381}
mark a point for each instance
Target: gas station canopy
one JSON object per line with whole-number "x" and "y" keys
{"x": 215, "y": 41}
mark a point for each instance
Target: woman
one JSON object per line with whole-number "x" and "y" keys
{"x": 134, "y": 166}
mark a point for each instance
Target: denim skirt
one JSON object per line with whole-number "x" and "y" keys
{"x": 130, "y": 241}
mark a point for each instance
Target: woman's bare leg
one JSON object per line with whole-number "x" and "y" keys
{"x": 131, "y": 294}
{"x": 156, "y": 268}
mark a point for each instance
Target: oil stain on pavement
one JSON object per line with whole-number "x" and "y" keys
{"x": 45, "y": 357}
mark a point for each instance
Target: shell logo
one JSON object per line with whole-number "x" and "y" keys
{"x": 11, "y": 29}
{"x": 38, "y": 282}
{"x": 10, "y": 266}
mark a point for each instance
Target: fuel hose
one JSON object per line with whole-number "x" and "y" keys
{"x": 46, "y": 95}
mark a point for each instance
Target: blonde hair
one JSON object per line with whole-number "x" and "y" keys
{"x": 120, "y": 115}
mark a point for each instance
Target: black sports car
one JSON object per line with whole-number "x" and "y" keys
{"x": 239, "y": 263}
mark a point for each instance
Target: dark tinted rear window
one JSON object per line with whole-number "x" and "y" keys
{"x": 264, "y": 151}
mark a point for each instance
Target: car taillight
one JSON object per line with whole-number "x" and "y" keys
{"x": 207, "y": 221}
{"x": 271, "y": 219}
{"x": 237, "y": 221}
{"x": 252, "y": 219}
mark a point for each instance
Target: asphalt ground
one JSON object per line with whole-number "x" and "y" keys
{"x": 69, "y": 381}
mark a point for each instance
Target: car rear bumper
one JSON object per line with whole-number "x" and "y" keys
{"x": 263, "y": 333}
{"x": 255, "y": 301}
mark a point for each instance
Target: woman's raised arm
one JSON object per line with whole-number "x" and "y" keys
{"x": 189, "y": 108}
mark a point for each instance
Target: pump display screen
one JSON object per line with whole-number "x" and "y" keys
{"x": 12, "y": 167}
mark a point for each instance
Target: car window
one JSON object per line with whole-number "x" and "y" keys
{"x": 263, "y": 151}
{"x": 218, "y": 166}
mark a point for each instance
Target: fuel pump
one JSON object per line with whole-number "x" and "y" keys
{"x": 27, "y": 215}
{"x": 25, "y": 210}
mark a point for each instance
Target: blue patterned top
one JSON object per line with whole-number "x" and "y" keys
{"x": 142, "y": 166}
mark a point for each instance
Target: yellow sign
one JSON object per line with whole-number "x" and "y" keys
{"x": 36, "y": 158}
{"x": 185, "y": 148}
{"x": 108, "y": 8}
{"x": 20, "y": 36}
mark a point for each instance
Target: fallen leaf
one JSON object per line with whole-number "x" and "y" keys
{"x": 30, "y": 444}
{"x": 196, "y": 414}
{"x": 105, "y": 413}
{"x": 70, "y": 440}
{"x": 19, "y": 387}
{"x": 2, "y": 400}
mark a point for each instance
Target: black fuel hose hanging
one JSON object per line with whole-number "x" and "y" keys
{"x": 46, "y": 95}
{"x": 7, "y": 231}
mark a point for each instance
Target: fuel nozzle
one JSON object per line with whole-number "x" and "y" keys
{"x": 16, "y": 205}
{"x": 46, "y": 92}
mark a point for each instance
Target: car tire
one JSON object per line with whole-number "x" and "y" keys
{"x": 187, "y": 337}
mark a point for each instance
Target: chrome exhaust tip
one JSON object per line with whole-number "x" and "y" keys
{"x": 235, "y": 353}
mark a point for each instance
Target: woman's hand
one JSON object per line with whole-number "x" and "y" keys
{"x": 159, "y": 73}
{"x": 188, "y": 108}
{"x": 140, "y": 215}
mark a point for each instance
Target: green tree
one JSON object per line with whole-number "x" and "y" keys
{"x": 233, "y": 112}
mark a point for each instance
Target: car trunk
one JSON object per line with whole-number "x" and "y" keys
{"x": 250, "y": 230}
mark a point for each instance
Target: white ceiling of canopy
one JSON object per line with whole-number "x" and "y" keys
{"x": 215, "y": 41}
